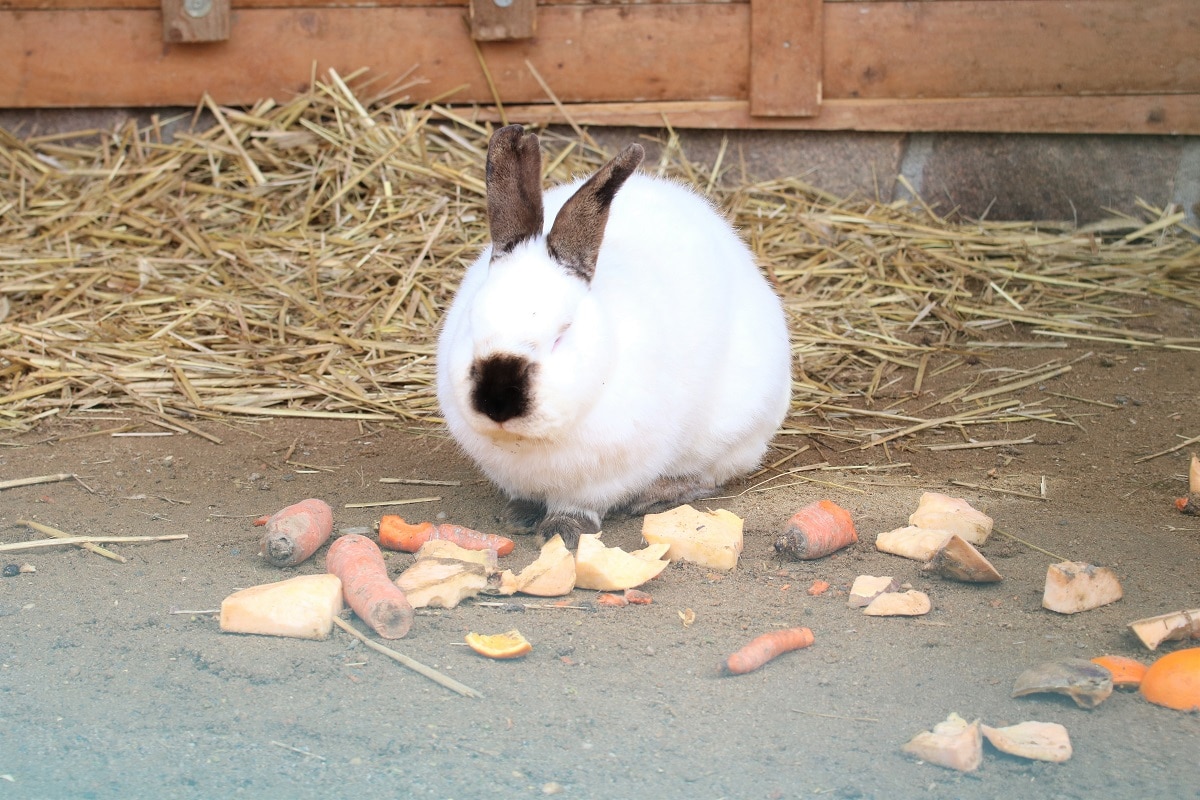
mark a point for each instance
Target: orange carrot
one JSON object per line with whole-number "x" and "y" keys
{"x": 365, "y": 585}
{"x": 818, "y": 587}
{"x": 396, "y": 534}
{"x": 609, "y": 599}
{"x": 637, "y": 597}
{"x": 763, "y": 648}
{"x": 296, "y": 532}
{"x": 817, "y": 530}
{"x": 1186, "y": 505}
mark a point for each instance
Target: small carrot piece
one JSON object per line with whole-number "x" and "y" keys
{"x": 636, "y": 597}
{"x": 396, "y": 534}
{"x": 763, "y": 648}
{"x": 609, "y": 599}
{"x": 296, "y": 532}
{"x": 818, "y": 587}
{"x": 366, "y": 586}
{"x": 816, "y": 531}
{"x": 1186, "y": 505}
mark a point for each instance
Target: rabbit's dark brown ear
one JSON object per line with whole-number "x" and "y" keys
{"x": 574, "y": 239}
{"x": 514, "y": 188}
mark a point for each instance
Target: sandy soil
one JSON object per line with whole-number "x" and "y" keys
{"x": 106, "y": 694}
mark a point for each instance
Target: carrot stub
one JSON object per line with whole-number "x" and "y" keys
{"x": 396, "y": 534}
{"x": 365, "y": 585}
{"x": 816, "y": 531}
{"x": 296, "y": 532}
{"x": 762, "y": 649}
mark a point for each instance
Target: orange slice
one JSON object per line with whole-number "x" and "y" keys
{"x": 499, "y": 645}
{"x": 1126, "y": 672}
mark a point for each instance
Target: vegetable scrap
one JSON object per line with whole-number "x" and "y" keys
{"x": 766, "y": 647}
{"x": 295, "y": 533}
{"x": 366, "y": 586}
{"x": 816, "y": 531}
{"x": 396, "y": 534}
{"x": 499, "y": 645}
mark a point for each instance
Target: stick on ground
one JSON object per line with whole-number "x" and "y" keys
{"x": 57, "y": 534}
{"x": 415, "y": 666}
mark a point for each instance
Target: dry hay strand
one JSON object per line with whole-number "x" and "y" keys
{"x": 294, "y": 259}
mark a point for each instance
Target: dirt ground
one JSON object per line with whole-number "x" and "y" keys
{"x": 104, "y": 693}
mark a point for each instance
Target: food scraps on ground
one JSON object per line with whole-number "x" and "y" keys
{"x": 1191, "y": 503}
{"x": 396, "y": 534}
{"x": 499, "y": 645}
{"x": 1074, "y": 586}
{"x": 919, "y": 544}
{"x": 1126, "y": 672}
{"x": 611, "y": 600}
{"x": 1041, "y": 741}
{"x": 818, "y": 587}
{"x": 959, "y": 560}
{"x": 816, "y": 531}
{"x": 953, "y": 743}
{"x": 441, "y": 582}
{"x": 899, "y": 604}
{"x": 366, "y": 586}
{"x": 293, "y": 534}
{"x": 762, "y": 649}
{"x": 637, "y": 597}
{"x": 552, "y": 574}
{"x": 940, "y": 512}
{"x": 1174, "y": 626}
{"x": 1174, "y": 680}
{"x": 1086, "y": 683}
{"x": 611, "y": 569}
{"x": 302, "y": 607}
{"x": 710, "y": 538}
{"x": 867, "y": 587}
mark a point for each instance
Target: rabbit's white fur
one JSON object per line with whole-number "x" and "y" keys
{"x": 672, "y": 363}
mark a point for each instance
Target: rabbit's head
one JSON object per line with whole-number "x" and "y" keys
{"x": 535, "y": 351}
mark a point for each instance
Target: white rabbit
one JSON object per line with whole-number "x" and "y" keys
{"x": 614, "y": 349}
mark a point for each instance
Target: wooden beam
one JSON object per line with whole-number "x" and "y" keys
{"x": 585, "y": 53}
{"x": 503, "y": 20}
{"x": 195, "y": 20}
{"x": 1139, "y": 114}
{"x": 785, "y": 58}
{"x": 926, "y": 65}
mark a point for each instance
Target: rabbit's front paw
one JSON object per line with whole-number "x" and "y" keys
{"x": 569, "y": 525}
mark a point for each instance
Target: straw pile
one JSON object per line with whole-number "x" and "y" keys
{"x": 294, "y": 259}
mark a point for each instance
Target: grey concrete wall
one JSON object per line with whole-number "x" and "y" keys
{"x": 1072, "y": 178}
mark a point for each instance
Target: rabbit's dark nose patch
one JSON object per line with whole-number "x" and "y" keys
{"x": 502, "y": 386}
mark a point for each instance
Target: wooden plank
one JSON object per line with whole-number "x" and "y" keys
{"x": 655, "y": 52}
{"x": 1137, "y": 114}
{"x": 586, "y": 53}
{"x": 503, "y": 20}
{"x": 93, "y": 5}
{"x": 195, "y": 20}
{"x": 1010, "y": 47}
{"x": 785, "y": 58}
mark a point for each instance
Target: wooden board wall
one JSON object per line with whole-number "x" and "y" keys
{"x": 1001, "y": 65}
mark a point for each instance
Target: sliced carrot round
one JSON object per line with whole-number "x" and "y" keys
{"x": 499, "y": 645}
{"x": 1125, "y": 671}
{"x": 1174, "y": 680}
